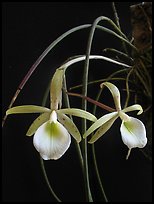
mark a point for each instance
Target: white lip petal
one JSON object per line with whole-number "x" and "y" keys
{"x": 51, "y": 140}
{"x": 133, "y": 133}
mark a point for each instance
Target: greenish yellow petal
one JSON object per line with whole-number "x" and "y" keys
{"x": 78, "y": 112}
{"x": 99, "y": 123}
{"x": 115, "y": 93}
{"x": 56, "y": 88}
{"x": 69, "y": 125}
{"x": 102, "y": 130}
{"x": 27, "y": 109}
{"x": 134, "y": 108}
{"x": 37, "y": 123}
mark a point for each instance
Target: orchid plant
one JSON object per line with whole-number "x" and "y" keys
{"x": 53, "y": 128}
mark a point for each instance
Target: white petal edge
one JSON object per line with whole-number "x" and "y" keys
{"x": 133, "y": 133}
{"x": 51, "y": 140}
{"x": 99, "y": 123}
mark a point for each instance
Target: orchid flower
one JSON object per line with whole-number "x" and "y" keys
{"x": 52, "y": 129}
{"x": 132, "y": 130}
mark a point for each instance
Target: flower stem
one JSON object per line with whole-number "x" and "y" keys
{"x": 101, "y": 105}
{"x": 94, "y": 157}
{"x": 67, "y": 104}
{"x": 47, "y": 180}
{"x": 84, "y": 92}
{"x": 84, "y": 107}
{"x": 97, "y": 173}
{"x": 118, "y": 24}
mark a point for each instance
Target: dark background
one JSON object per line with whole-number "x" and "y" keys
{"x": 27, "y": 29}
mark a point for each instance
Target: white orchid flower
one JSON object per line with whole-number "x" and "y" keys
{"x": 52, "y": 129}
{"x": 132, "y": 130}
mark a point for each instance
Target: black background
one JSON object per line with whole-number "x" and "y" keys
{"x": 27, "y": 29}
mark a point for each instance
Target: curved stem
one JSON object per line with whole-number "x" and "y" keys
{"x": 94, "y": 156}
{"x": 84, "y": 107}
{"x": 119, "y": 53}
{"x": 118, "y": 24}
{"x": 47, "y": 181}
{"x": 50, "y": 47}
{"x": 127, "y": 88}
{"x": 84, "y": 92}
{"x": 97, "y": 173}
{"x": 67, "y": 104}
{"x": 101, "y": 105}
{"x": 38, "y": 61}
{"x": 102, "y": 80}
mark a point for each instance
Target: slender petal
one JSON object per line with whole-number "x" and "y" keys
{"x": 133, "y": 133}
{"x": 99, "y": 123}
{"x": 56, "y": 88}
{"x": 102, "y": 130}
{"x": 133, "y": 108}
{"x": 44, "y": 117}
{"x": 27, "y": 109}
{"x": 70, "y": 126}
{"x": 78, "y": 112}
{"x": 51, "y": 140}
{"x": 115, "y": 93}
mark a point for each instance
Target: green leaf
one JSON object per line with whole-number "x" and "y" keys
{"x": 99, "y": 123}
{"x": 37, "y": 123}
{"x": 79, "y": 113}
{"x": 27, "y": 109}
{"x": 69, "y": 125}
{"x": 102, "y": 130}
{"x": 114, "y": 61}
